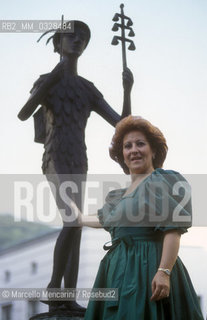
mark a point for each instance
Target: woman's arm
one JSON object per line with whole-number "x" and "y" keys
{"x": 91, "y": 221}
{"x": 161, "y": 281}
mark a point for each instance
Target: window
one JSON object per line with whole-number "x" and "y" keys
{"x": 7, "y": 276}
{"x": 34, "y": 266}
{"x": 6, "y": 312}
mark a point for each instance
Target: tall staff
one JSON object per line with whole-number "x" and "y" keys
{"x": 122, "y": 38}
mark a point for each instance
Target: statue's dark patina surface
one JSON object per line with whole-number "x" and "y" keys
{"x": 67, "y": 100}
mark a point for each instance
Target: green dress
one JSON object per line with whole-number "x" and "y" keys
{"x": 135, "y": 251}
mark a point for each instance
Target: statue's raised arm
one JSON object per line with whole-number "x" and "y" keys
{"x": 105, "y": 110}
{"x": 67, "y": 100}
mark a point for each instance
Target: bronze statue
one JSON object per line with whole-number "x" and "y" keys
{"x": 67, "y": 100}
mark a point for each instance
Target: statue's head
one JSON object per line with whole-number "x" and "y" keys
{"x": 72, "y": 42}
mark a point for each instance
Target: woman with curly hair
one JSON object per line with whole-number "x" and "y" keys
{"x": 146, "y": 221}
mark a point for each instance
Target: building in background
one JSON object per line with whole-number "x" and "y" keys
{"x": 29, "y": 265}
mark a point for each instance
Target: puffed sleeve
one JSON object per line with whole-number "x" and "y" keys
{"x": 105, "y": 214}
{"x": 102, "y": 220}
{"x": 168, "y": 196}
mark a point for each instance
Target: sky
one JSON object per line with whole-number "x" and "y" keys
{"x": 169, "y": 68}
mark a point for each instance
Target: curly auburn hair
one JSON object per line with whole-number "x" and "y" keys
{"x": 153, "y": 135}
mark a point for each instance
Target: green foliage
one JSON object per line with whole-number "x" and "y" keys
{"x": 12, "y": 232}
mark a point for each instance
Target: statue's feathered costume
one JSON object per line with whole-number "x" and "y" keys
{"x": 61, "y": 122}
{"x": 67, "y": 100}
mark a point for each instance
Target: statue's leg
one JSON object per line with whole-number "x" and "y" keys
{"x": 63, "y": 256}
{"x": 71, "y": 271}
{"x": 66, "y": 252}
